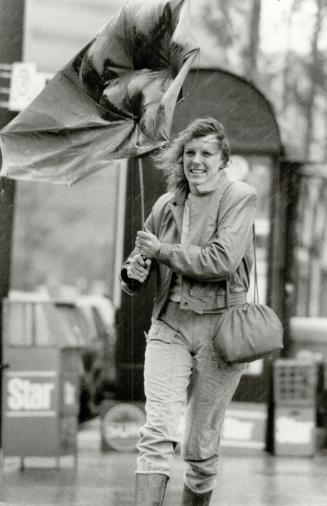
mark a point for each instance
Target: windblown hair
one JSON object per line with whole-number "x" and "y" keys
{"x": 170, "y": 159}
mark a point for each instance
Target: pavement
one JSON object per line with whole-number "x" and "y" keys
{"x": 247, "y": 478}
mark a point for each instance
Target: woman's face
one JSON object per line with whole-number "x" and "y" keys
{"x": 201, "y": 163}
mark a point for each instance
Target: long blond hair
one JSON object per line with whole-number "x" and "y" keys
{"x": 170, "y": 158}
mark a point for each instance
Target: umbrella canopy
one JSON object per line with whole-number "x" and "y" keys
{"x": 115, "y": 99}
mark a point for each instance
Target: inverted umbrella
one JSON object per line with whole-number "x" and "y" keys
{"x": 115, "y": 99}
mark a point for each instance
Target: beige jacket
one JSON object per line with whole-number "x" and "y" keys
{"x": 219, "y": 247}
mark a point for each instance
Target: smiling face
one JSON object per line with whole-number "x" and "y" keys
{"x": 201, "y": 163}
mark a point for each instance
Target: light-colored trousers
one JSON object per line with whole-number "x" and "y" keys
{"x": 183, "y": 369}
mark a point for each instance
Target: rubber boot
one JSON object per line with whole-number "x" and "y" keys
{"x": 150, "y": 489}
{"x": 190, "y": 498}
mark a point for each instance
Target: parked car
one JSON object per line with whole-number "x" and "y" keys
{"x": 99, "y": 363}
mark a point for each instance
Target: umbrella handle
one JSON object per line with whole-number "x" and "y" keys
{"x": 142, "y": 197}
{"x": 141, "y": 192}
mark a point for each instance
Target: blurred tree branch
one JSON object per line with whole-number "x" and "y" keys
{"x": 254, "y": 40}
{"x": 294, "y": 79}
{"x": 315, "y": 73}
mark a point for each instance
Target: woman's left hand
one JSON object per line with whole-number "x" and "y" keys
{"x": 148, "y": 244}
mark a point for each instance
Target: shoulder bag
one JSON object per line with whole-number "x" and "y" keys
{"x": 249, "y": 332}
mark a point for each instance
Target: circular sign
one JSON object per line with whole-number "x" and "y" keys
{"x": 121, "y": 425}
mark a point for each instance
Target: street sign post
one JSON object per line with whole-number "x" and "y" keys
{"x": 21, "y": 85}
{"x": 25, "y": 84}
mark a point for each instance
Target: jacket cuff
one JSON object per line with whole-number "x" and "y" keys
{"x": 129, "y": 285}
{"x": 165, "y": 253}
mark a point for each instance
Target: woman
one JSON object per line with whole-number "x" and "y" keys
{"x": 197, "y": 235}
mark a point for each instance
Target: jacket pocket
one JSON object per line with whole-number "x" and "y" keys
{"x": 160, "y": 331}
{"x": 205, "y": 290}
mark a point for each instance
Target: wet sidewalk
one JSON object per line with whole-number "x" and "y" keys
{"x": 107, "y": 479}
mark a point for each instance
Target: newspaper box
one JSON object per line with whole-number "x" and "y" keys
{"x": 295, "y": 384}
{"x": 41, "y": 380}
{"x": 245, "y": 426}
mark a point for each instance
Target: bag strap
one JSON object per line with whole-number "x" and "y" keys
{"x": 256, "y": 290}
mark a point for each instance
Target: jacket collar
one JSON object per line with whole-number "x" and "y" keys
{"x": 176, "y": 204}
{"x": 223, "y": 181}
